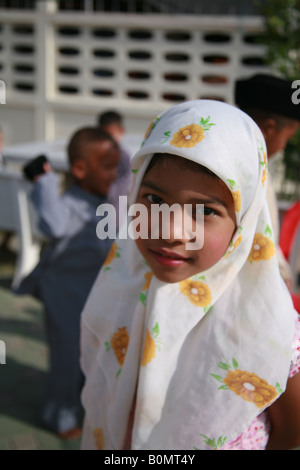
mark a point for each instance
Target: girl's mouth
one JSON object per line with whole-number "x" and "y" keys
{"x": 168, "y": 258}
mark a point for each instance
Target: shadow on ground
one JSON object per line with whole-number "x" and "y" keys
{"x": 22, "y": 377}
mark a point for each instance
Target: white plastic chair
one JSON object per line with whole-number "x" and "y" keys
{"x": 16, "y": 215}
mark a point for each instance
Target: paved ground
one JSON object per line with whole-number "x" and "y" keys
{"x": 22, "y": 378}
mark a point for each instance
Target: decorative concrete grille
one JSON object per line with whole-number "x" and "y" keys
{"x": 18, "y": 67}
{"x": 54, "y": 62}
{"x": 156, "y": 66}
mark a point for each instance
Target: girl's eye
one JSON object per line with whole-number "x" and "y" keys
{"x": 154, "y": 199}
{"x": 204, "y": 211}
{"x": 208, "y": 211}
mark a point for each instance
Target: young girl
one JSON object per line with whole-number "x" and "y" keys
{"x": 193, "y": 349}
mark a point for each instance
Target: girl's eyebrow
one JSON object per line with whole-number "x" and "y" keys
{"x": 153, "y": 186}
{"x": 195, "y": 200}
{"x": 215, "y": 200}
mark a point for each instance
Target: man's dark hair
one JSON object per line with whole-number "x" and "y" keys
{"x": 86, "y": 135}
{"x": 260, "y": 115}
{"x": 110, "y": 117}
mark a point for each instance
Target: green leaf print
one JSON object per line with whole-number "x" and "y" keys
{"x": 223, "y": 387}
{"x": 143, "y": 298}
{"x": 155, "y": 330}
{"x": 167, "y": 135}
{"x": 197, "y": 277}
{"x": 221, "y": 441}
{"x": 207, "y": 309}
{"x": 260, "y": 146}
{"x": 217, "y": 377}
{"x": 232, "y": 183}
{"x": 224, "y": 366}
{"x": 235, "y": 363}
{"x": 206, "y": 124}
{"x": 268, "y": 231}
{"x": 215, "y": 443}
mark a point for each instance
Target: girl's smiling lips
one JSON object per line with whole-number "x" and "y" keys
{"x": 168, "y": 258}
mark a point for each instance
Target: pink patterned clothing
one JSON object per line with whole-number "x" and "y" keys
{"x": 256, "y": 436}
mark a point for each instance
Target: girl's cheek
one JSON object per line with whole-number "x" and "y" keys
{"x": 216, "y": 245}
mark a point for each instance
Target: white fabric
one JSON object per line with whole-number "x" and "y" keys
{"x": 210, "y": 368}
{"x": 284, "y": 267}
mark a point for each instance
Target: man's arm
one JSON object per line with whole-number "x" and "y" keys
{"x": 53, "y": 214}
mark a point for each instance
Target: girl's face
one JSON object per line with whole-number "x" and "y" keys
{"x": 174, "y": 180}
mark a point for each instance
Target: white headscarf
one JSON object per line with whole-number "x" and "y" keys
{"x": 210, "y": 353}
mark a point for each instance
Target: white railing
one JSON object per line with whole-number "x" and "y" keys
{"x": 61, "y": 69}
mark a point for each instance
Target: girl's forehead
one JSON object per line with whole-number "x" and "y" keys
{"x": 171, "y": 174}
{"x": 169, "y": 161}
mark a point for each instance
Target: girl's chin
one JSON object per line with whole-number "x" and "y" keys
{"x": 170, "y": 275}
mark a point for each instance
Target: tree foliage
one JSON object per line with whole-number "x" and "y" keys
{"x": 282, "y": 26}
{"x": 282, "y": 40}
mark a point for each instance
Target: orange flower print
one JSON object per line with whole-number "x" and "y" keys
{"x": 143, "y": 295}
{"x": 247, "y": 385}
{"x": 233, "y": 246}
{"x": 99, "y": 438}
{"x": 149, "y": 352}
{"x": 265, "y": 157}
{"x": 264, "y": 177}
{"x": 119, "y": 343}
{"x": 197, "y": 292}
{"x": 250, "y": 387}
{"x": 148, "y": 276}
{"x": 150, "y": 129}
{"x": 151, "y": 346}
{"x": 188, "y": 136}
{"x": 236, "y": 195}
{"x": 237, "y": 242}
{"x": 113, "y": 253}
{"x": 262, "y": 248}
{"x": 264, "y": 164}
{"x": 236, "y": 200}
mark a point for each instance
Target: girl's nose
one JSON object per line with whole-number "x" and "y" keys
{"x": 180, "y": 225}
{"x": 171, "y": 223}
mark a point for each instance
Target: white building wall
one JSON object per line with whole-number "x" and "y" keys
{"x": 61, "y": 69}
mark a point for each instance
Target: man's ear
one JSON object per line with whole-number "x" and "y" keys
{"x": 79, "y": 169}
{"x": 269, "y": 128}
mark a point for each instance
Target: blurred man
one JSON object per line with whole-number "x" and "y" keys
{"x": 112, "y": 123}
{"x": 268, "y": 100}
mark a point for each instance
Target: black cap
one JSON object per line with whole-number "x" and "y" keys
{"x": 269, "y": 93}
